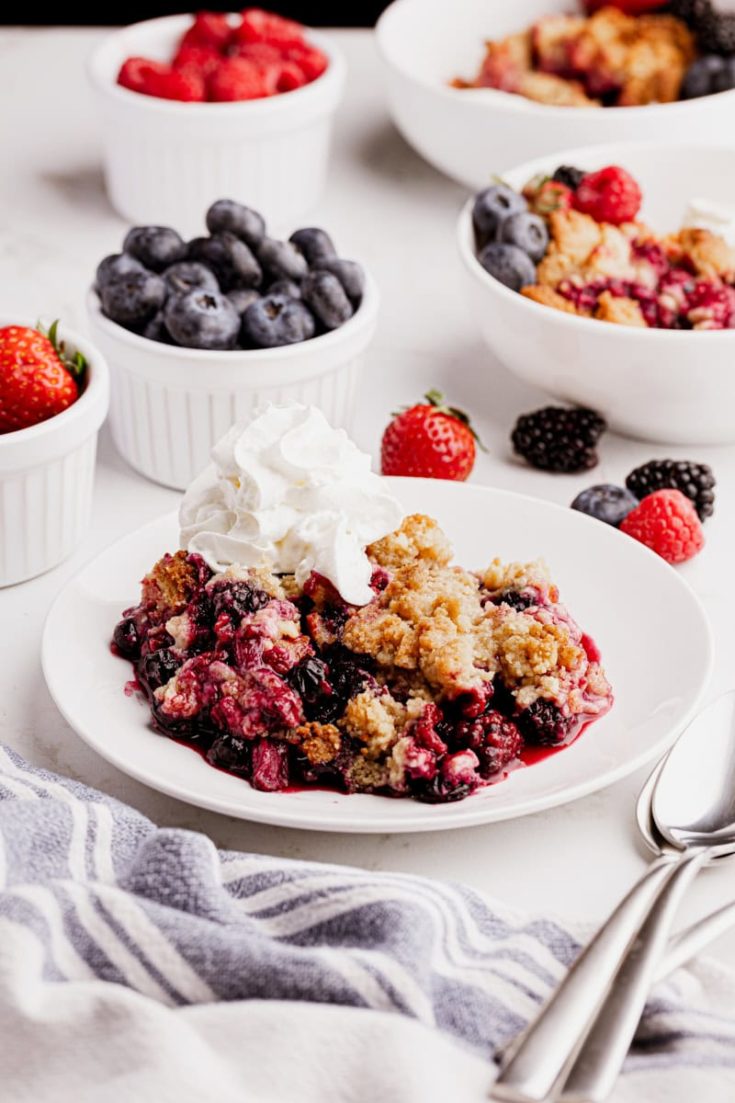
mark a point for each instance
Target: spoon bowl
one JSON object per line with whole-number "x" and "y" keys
{"x": 693, "y": 794}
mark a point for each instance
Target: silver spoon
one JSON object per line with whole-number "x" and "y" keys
{"x": 600, "y": 1001}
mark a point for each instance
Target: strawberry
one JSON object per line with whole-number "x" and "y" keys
{"x": 545, "y": 195}
{"x": 667, "y": 522}
{"x": 209, "y": 29}
{"x": 37, "y": 379}
{"x": 261, "y": 26}
{"x": 431, "y": 441}
{"x": 239, "y": 78}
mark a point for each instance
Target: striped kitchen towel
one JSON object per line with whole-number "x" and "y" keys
{"x": 138, "y": 962}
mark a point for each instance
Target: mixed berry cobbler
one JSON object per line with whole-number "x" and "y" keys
{"x": 432, "y": 690}
{"x": 573, "y": 240}
{"x": 610, "y": 59}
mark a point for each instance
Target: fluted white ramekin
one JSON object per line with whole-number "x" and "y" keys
{"x": 166, "y": 161}
{"x": 47, "y": 474}
{"x": 171, "y": 405}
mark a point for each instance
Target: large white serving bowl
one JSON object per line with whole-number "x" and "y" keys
{"x": 47, "y": 473}
{"x": 166, "y": 161}
{"x": 654, "y": 637}
{"x": 472, "y": 133}
{"x": 667, "y": 386}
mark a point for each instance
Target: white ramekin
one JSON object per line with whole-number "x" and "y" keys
{"x": 472, "y": 134}
{"x": 47, "y": 473}
{"x": 166, "y": 162}
{"x": 661, "y": 385}
{"x": 171, "y": 405}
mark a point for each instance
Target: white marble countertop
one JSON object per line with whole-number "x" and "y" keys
{"x": 388, "y": 208}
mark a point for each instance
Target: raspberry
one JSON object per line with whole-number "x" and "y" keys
{"x": 202, "y": 59}
{"x": 311, "y": 61}
{"x": 209, "y": 29}
{"x": 610, "y": 195}
{"x": 154, "y": 79}
{"x": 241, "y": 79}
{"x": 261, "y": 26}
{"x": 694, "y": 480}
{"x": 667, "y": 523}
{"x": 557, "y": 439}
{"x": 711, "y": 306}
{"x": 135, "y": 73}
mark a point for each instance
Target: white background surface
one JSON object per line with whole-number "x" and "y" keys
{"x": 387, "y": 208}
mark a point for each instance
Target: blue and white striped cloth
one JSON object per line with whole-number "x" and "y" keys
{"x": 91, "y": 891}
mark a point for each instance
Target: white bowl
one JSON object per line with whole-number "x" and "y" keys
{"x": 166, "y": 162}
{"x": 472, "y": 133}
{"x": 47, "y": 473}
{"x": 668, "y": 386}
{"x": 171, "y": 405}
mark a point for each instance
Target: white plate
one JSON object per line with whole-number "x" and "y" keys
{"x": 653, "y": 633}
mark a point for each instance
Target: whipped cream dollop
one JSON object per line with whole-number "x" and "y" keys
{"x": 707, "y": 214}
{"x": 290, "y": 492}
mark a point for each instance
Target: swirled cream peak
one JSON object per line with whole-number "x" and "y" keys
{"x": 289, "y": 491}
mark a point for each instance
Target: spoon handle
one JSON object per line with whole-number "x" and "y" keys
{"x": 686, "y": 944}
{"x": 599, "y": 1062}
{"x": 536, "y": 1065}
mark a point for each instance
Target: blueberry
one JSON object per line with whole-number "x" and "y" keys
{"x": 231, "y": 753}
{"x": 114, "y": 266}
{"x": 155, "y": 330}
{"x": 350, "y": 275}
{"x": 509, "y": 264}
{"x": 229, "y": 258}
{"x": 277, "y": 320}
{"x": 701, "y": 76}
{"x": 725, "y": 80}
{"x": 528, "y": 232}
{"x": 327, "y": 298}
{"x": 126, "y": 638}
{"x": 227, "y": 215}
{"x": 289, "y": 288}
{"x": 242, "y": 297}
{"x": 201, "y": 319}
{"x": 154, "y": 246}
{"x": 491, "y": 208}
{"x": 282, "y": 260}
{"x": 188, "y": 274}
{"x": 132, "y": 300}
{"x": 315, "y": 244}
{"x": 606, "y": 502}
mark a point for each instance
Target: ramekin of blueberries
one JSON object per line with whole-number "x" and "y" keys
{"x": 224, "y": 322}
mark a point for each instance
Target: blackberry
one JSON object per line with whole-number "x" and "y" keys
{"x": 236, "y": 599}
{"x": 557, "y": 439}
{"x": 544, "y": 724}
{"x": 437, "y": 791}
{"x": 695, "y": 480}
{"x": 158, "y": 668}
{"x": 691, "y": 12}
{"x": 569, "y": 176}
{"x": 310, "y": 679}
{"x": 230, "y": 753}
{"x": 716, "y": 33}
{"x": 495, "y": 740}
{"x": 517, "y": 599}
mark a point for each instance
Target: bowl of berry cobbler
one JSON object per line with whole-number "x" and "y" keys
{"x": 606, "y": 276}
{"x": 477, "y": 86}
{"x": 195, "y": 107}
{"x": 199, "y": 333}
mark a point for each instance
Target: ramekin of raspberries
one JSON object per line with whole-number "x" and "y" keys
{"x": 213, "y": 104}
{"x": 201, "y": 333}
{"x": 222, "y": 59}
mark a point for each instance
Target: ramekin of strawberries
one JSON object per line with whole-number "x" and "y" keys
{"x": 54, "y": 394}
{"x": 194, "y": 107}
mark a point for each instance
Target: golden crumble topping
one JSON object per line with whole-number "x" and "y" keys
{"x": 709, "y": 254}
{"x": 529, "y": 650}
{"x": 171, "y": 582}
{"x": 501, "y": 576}
{"x": 418, "y": 538}
{"x": 377, "y": 719}
{"x": 547, "y": 296}
{"x": 619, "y": 309}
{"x": 258, "y": 576}
{"x": 319, "y": 742}
{"x": 554, "y": 91}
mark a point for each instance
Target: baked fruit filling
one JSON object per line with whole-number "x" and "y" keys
{"x": 432, "y": 690}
